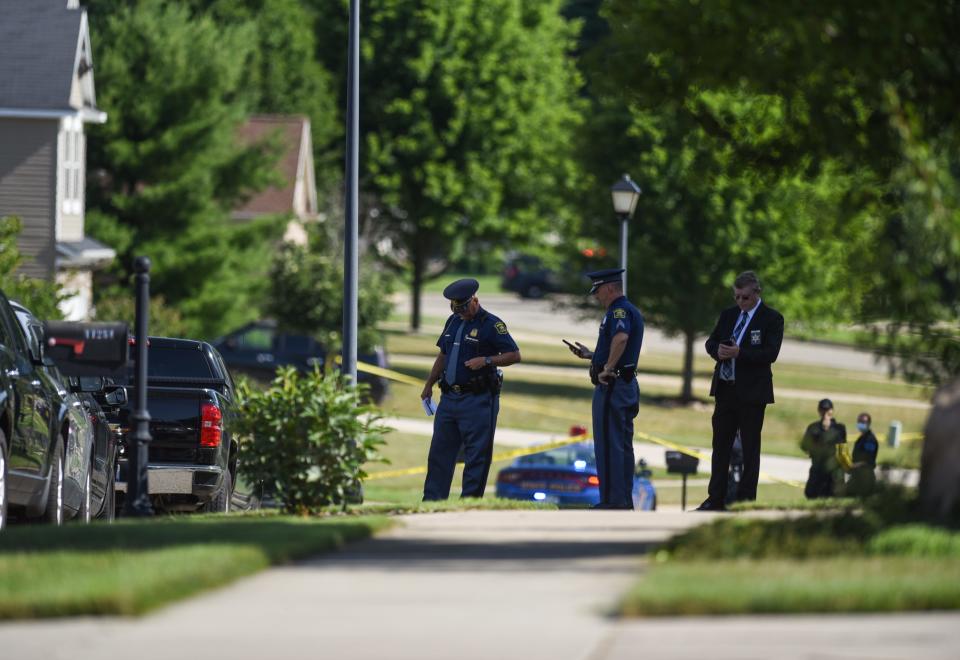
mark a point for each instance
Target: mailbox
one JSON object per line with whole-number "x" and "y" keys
{"x": 87, "y": 349}
{"x": 680, "y": 463}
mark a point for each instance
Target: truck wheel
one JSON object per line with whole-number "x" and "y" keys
{"x": 221, "y": 501}
{"x": 54, "y": 511}
{"x": 3, "y": 479}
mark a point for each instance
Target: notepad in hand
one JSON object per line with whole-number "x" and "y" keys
{"x": 428, "y": 406}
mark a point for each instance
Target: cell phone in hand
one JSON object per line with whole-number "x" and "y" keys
{"x": 576, "y": 349}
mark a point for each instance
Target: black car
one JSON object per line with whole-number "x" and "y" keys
{"x": 41, "y": 439}
{"x": 91, "y": 445}
{"x": 529, "y": 277}
{"x": 258, "y": 348}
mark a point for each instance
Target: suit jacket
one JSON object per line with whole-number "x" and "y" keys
{"x": 759, "y": 348}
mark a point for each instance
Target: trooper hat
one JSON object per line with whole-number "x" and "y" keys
{"x": 599, "y": 277}
{"x": 460, "y": 293}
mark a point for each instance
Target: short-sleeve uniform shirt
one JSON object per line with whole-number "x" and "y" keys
{"x": 621, "y": 316}
{"x": 483, "y": 335}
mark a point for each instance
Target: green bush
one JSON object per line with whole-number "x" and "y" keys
{"x": 916, "y": 540}
{"x": 305, "y": 438}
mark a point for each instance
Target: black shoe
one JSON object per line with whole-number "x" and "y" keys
{"x": 710, "y": 505}
{"x": 601, "y": 505}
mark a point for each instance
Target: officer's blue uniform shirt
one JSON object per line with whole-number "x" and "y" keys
{"x": 484, "y": 335}
{"x": 621, "y": 316}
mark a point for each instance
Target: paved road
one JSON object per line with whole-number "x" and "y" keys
{"x": 528, "y": 318}
{"x": 483, "y": 584}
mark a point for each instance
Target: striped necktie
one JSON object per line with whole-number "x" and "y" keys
{"x": 726, "y": 369}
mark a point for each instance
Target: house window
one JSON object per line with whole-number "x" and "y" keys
{"x": 71, "y": 166}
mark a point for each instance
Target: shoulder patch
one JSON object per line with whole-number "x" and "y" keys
{"x": 501, "y": 327}
{"x": 619, "y": 313}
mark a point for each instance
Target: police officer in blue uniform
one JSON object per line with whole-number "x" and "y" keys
{"x": 616, "y": 396}
{"x": 474, "y": 343}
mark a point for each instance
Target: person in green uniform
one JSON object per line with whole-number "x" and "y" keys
{"x": 820, "y": 442}
{"x": 863, "y": 479}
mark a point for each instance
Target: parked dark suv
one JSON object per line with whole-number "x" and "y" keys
{"x": 258, "y": 348}
{"x": 528, "y": 276}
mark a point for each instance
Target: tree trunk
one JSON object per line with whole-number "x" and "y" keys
{"x": 940, "y": 462}
{"x": 686, "y": 394}
{"x": 415, "y": 289}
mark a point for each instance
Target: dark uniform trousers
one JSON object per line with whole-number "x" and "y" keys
{"x": 614, "y": 408}
{"x": 472, "y": 419}
{"x": 729, "y": 415}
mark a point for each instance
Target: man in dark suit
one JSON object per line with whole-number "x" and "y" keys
{"x": 745, "y": 342}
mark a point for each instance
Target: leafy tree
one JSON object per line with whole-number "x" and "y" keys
{"x": 869, "y": 88}
{"x": 703, "y": 218}
{"x": 467, "y": 114}
{"x": 167, "y": 168}
{"x": 120, "y": 304}
{"x": 40, "y": 296}
{"x": 306, "y": 294}
{"x": 282, "y": 74}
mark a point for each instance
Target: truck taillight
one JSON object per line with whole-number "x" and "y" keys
{"x": 211, "y": 425}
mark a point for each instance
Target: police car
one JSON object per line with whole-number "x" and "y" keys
{"x": 566, "y": 476}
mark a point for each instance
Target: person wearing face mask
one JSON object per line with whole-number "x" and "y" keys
{"x": 820, "y": 441}
{"x": 863, "y": 480}
{"x": 473, "y": 344}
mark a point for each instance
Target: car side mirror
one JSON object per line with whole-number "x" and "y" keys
{"x": 92, "y": 384}
{"x": 117, "y": 397}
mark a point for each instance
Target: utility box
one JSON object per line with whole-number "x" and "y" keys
{"x": 680, "y": 463}
{"x": 894, "y": 434}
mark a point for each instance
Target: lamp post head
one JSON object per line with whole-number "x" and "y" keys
{"x": 625, "y": 194}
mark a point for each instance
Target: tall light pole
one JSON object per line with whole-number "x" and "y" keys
{"x": 351, "y": 198}
{"x": 625, "y": 195}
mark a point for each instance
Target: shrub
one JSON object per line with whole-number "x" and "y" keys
{"x": 306, "y": 437}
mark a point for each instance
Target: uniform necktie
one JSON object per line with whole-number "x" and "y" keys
{"x": 451, "y": 376}
{"x": 726, "y": 369}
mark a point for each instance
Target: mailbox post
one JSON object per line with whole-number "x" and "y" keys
{"x": 138, "y": 493}
{"x": 683, "y": 464}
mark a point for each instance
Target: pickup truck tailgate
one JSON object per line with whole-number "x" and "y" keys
{"x": 174, "y": 423}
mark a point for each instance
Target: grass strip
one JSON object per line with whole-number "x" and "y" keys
{"x": 848, "y": 584}
{"x": 134, "y": 566}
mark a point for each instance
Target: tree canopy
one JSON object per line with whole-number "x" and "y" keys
{"x": 467, "y": 116}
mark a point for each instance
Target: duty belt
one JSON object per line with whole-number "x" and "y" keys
{"x": 623, "y": 373}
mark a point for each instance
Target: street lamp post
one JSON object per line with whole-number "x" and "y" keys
{"x": 625, "y": 195}
{"x": 348, "y": 365}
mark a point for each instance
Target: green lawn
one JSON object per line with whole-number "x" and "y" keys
{"x": 858, "y": 557}
{"x": 134, "y": 566}
{"x": 561, "y": 402}
{"x": 845, "y": 584}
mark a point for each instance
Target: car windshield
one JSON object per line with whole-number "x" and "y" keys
{"x": 578, "y": 456}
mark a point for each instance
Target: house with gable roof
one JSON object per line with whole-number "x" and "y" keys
{"x": 295, "y": 197}
{"x": 47, "y": 97}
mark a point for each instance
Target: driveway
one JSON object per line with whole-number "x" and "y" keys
{"x": 490, "y": 585}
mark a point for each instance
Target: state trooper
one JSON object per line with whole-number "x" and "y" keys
{"x": 473, "y": 344}
{"x": 616, "y": 396}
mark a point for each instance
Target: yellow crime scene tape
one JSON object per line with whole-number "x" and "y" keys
{"x": 533, "y": 449}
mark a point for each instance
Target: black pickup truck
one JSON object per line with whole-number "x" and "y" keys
{"x": 191, "y": 401}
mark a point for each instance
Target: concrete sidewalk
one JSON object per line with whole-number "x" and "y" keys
{"x": 484, "y": 584}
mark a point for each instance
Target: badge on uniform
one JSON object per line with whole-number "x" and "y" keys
{"x": 501, "y": 327}
{"x": 754, "y": 337}
{"x": 619, "y": 313}
{"x": 473, "y": 333}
